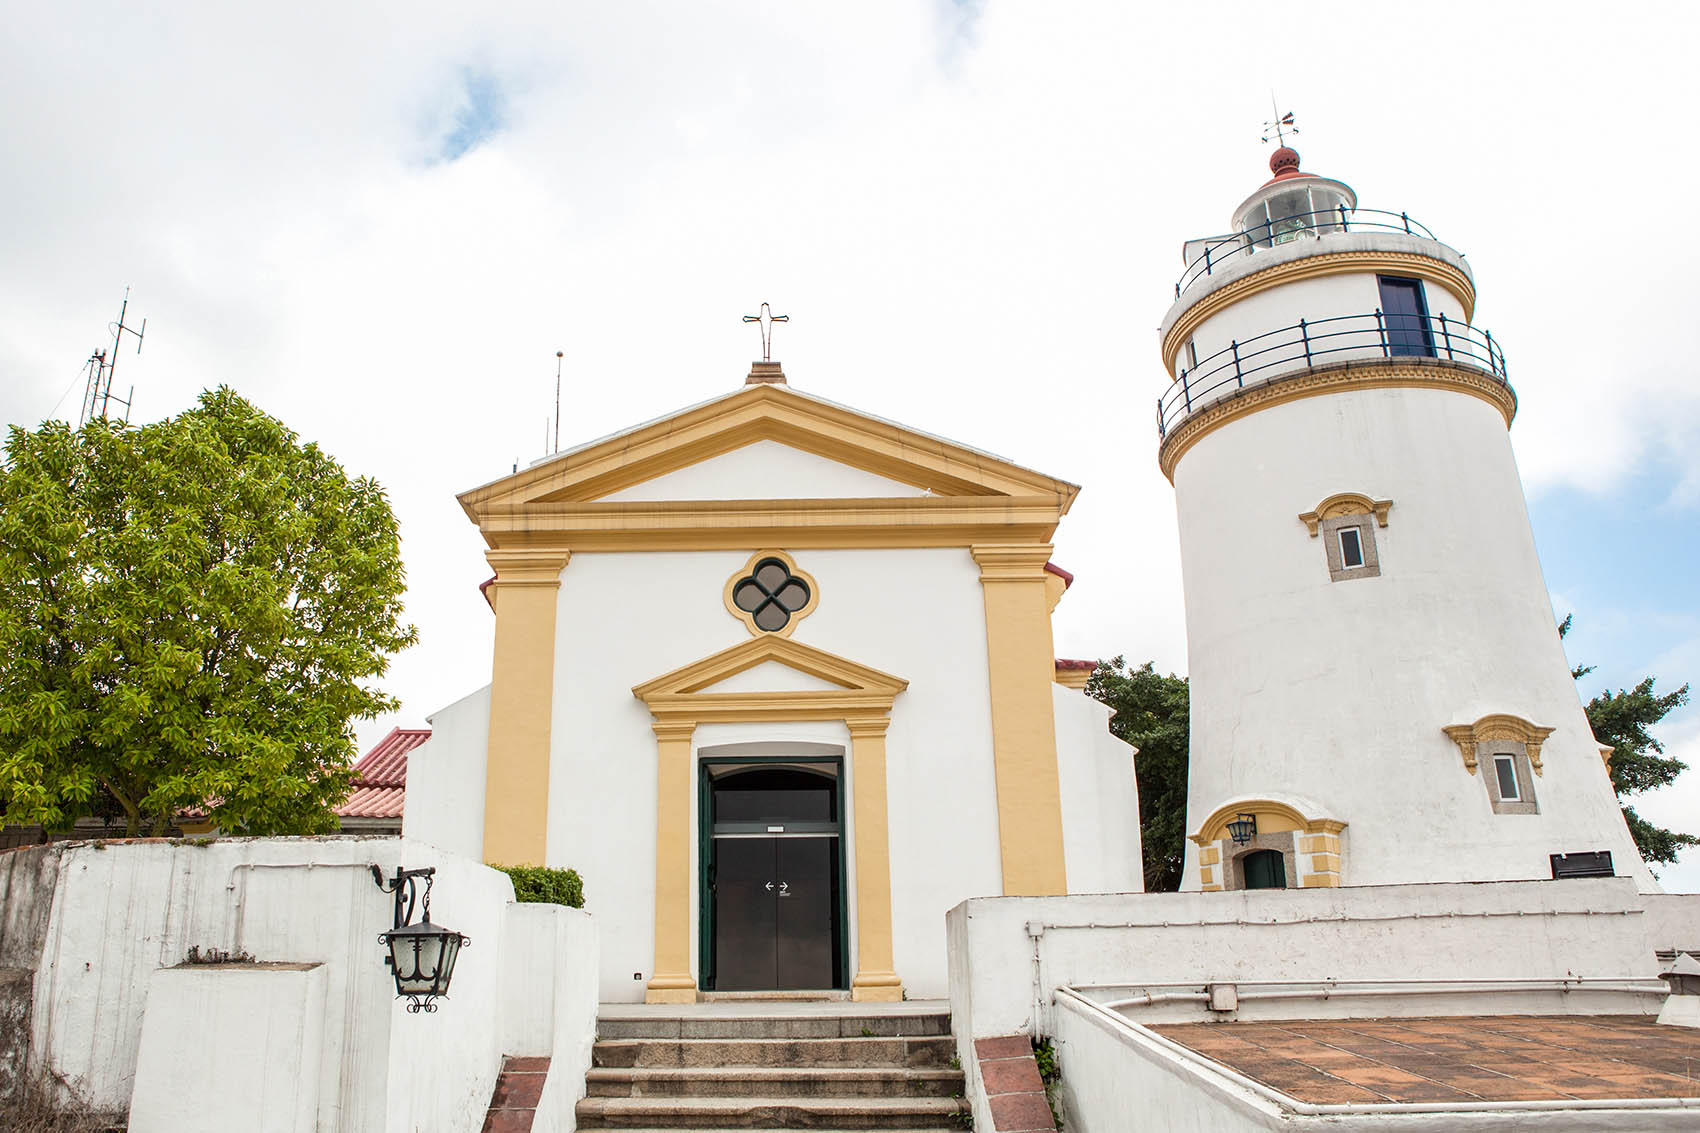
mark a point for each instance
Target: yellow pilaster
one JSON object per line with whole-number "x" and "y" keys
{"x": 1022, "y": 667}
{"x": 876, "y": 977}
{"x": 516, "y": 783}
{"x": 671, "y": 980}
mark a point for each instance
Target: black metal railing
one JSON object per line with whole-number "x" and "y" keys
{"x": 1224, "y": 251}
{"x": 1307, "y": 343}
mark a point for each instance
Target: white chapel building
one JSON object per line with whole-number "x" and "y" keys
{"x": 776, "y": 677}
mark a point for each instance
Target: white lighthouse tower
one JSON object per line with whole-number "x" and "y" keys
{"x": 1378, "y": 691}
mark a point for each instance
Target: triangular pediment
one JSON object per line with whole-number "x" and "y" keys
{"x": 836, "y": 674}
{"x": 773, "y": 413}
{"x": 765, "y": 470}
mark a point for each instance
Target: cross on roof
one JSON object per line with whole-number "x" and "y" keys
{"x": 767, "y": 318}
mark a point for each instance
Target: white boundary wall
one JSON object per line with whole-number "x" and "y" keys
{"x": 121, "y": 911}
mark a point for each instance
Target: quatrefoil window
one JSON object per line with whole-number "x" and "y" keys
{"x": 770, "y": 593}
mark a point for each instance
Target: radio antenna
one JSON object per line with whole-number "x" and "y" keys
{"x": 97, "y": 391}
{"x": 559, "y": 354}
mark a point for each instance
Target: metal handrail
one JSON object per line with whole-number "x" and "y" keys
{"x": 1307, "y": 343}
{"x": 1221, "y": 251}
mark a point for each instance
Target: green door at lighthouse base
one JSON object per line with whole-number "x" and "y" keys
{"x": 1265, "y": 869}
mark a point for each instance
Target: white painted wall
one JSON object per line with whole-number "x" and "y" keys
{"x": 122, "y": 911}
{"x": 232, "y": 1046}
{"x": 1591, "y": 927}
{"x": 918, "y": 614}
{"x": 445, "y": 778}
{"x": 1338, "y": 691}
{"x": 552, "y": 939}
{"x": 766, "y": 470}
{"x": 1100, "y": 798}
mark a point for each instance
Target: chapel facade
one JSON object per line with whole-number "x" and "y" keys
{"x": 776, "y": 677}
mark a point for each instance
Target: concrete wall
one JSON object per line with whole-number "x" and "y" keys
{"x": 445, "y": 778}
{"x": 1002, "y": 982}
{"x": 119, "y": 912}
{"x": 231, "y": 1046}
{"x": 1100, "y": 798}
{"x": 1337, "y": 691}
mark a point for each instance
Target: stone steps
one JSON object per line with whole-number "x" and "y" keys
{"x": 773, "y": 1026}
{"x": 763, "y": 1081}
{"x": 930, "y": 1051}
{"x": 769, "y": 1113}
{"x": 787, "y": 1070}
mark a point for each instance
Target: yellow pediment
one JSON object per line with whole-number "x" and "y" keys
{"x": 856, "y": 691}
{"x": 778, "y": 413}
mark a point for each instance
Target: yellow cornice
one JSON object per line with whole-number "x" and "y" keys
{"x": 1498, "y": 726}
{"x": 1345, "y": 503}
{"x": 1212, "y": 829}
{"x": 1012, "y": 562}
{"x": 1370, "y": 374}
{"x": 766, "y": 412}
{"x": 1434, "y": 270}
{"x": 679, "y": 525}
{"x": 688, "y": 681}
{"x": 529, "y": 567}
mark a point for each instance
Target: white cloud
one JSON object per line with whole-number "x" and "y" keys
{"x": 972, "y": 213}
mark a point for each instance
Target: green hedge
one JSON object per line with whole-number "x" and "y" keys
{"x": 547, "y": 886}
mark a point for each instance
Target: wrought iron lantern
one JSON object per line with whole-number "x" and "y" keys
{"x": 1243, "y": 828}
{"x": 421, "y": 956}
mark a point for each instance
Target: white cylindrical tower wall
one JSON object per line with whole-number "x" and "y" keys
{"x": 1321, "y": 695}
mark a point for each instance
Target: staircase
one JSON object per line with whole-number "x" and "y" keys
{"x": 825, "y": 1071}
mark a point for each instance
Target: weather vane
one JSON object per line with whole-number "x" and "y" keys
{"x": 767, "y": 318}
{"x": 1278, "y": 130}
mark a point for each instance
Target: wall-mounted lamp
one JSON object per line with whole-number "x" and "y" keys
{"x": 1243, "y": 828}
{"x": 421, "y": 956}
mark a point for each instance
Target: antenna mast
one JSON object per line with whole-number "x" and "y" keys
{"x": 559, "y": 354}
{"x": 97, "y": 392}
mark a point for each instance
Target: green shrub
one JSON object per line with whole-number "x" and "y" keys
{"x": 546, "y": 886}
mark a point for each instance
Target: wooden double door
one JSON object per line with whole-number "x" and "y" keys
{"x": 773, "y": 878}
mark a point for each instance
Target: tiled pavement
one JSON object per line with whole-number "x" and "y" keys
{"x": 1480, "y": 1058}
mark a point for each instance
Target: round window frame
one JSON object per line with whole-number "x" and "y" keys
{"x": 748, "y": 617}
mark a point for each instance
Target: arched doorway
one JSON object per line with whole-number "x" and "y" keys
{"x": 773, "y": 881}
{"x": 1264, "y": 869}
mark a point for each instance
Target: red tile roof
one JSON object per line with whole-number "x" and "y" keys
{"x": 1070, "y": 663}
{"x": 380, "y": 784}
{"x": 1066, "y": 576}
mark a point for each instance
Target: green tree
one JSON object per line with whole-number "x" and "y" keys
{"x": 1151, "y": 713}
{"x": 190, "y": 612}
{"x": 1624, "y": 720}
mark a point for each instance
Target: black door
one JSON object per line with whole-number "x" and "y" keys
{"x": 773, "y": 912}
{"x": 1265, "y": 869}
{"x": 1405, "y": 317}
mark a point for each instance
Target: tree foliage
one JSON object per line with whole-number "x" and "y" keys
{"x": 189, "y": 613}
{"x": 1152, "y": 713}
{"x": 535, "y": 883}
{"x": 1624, "y": 719}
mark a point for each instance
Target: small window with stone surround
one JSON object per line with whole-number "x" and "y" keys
{"x": 1505, "y": 751}
{"x": 1344, "y": 524}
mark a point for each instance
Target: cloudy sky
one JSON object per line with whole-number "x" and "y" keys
{"x": 381, "y": 222}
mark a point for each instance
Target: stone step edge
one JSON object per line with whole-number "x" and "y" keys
{"x": 825, "y": 1106}
{"x": 772, "y": 1073}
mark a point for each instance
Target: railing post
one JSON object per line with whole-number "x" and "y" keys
{"x": 1493, "y": 363}
{"x": 1177, "y": 290}
{"x": 1304, "y": 332}
{"x": 1343, "y": 227}
{"x": 1239, "y": 378}
{"x": 1381, "y": 331}
{"x": 1446, "y": 334}
{"x": 1161, "y": 432}
{"x": 1406, "y": 218}
{"x": 1186, "y": 393}
{"x": 1206, "y": 259}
